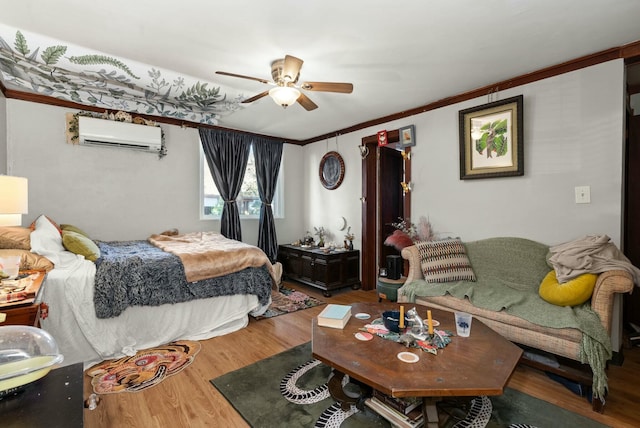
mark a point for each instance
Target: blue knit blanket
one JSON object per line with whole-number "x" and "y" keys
{"x": 136, "y": 273}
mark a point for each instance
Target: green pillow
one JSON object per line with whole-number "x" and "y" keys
{"x": 80, "y": 244}
{"x": 574, "y": 292}
{"x": 73, "y": 228}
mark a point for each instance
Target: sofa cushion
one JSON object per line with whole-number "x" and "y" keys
{"x": 445, "y": 261}
{"x": 560, "y": 341}
{"x": 570, "y": 293}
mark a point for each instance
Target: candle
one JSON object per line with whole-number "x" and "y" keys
{"x": 401, "y": 321}
{"x": 429, "y": 322}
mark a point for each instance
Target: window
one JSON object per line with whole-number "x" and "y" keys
{"x": 248, "y": 200}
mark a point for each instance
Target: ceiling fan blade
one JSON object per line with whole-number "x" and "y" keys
{"x": 291, "y": 68}
{"x": 306, "y": 102}
{"x": 256, "y": 97}
{"x": 344, "y": 88}
{"x": 257, "y": 79}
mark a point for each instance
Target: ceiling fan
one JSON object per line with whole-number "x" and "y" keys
{"x": 285, "y": 73}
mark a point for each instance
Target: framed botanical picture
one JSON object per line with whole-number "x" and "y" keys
{"x": 407, "y": 136}
{"x": 491, "y": 143}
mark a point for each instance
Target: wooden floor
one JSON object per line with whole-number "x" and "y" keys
{"x": 189, "y": 400}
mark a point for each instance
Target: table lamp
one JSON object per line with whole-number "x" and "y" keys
{"x": 14, "y": 198}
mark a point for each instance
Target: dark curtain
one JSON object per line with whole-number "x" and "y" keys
{"x": 227, "y": 154}
{"x": 268, "y": 155}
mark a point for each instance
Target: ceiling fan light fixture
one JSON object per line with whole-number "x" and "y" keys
{"x": 284, "y": 95}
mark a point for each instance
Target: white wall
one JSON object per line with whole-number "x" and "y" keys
{"x": 116, "y": 194}
{"x": 573, "y": 136}
{"x": 327, "y": 207}
{"x": 573, "y": 132}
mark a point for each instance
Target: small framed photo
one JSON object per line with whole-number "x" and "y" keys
{"x": 491, "y": 143}
{"x": 382, "y": 138}
{"x": 407, "y": 136}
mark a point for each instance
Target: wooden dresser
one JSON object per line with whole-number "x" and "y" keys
{"x": 325, "y": 270}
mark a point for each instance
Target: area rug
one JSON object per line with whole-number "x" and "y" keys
{"x": 147, "y": 368}
{"x": 289, "y": 389}
{"x": 287, "y": 300}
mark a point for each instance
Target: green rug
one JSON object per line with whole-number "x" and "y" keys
{"x": 287, "y": 300}
{"x": 258, "y": 393}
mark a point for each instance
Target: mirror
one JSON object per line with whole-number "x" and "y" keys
{"x": 331, "y": 170}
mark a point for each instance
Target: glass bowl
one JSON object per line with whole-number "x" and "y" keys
{"x": 26, "y": 355}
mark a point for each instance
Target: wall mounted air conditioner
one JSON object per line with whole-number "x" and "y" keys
{"x": 110, "y": 133}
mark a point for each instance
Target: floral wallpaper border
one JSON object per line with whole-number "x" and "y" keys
{"x": 34, "y": 64}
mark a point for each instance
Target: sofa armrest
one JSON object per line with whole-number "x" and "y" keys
{"x": 413, "y": 256}
{"x": 415, "y": 271}
{"x": 608, "y": 284}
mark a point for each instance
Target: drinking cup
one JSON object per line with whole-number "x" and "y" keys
{"x": 463, "y": 324}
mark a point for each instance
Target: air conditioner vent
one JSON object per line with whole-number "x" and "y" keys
{"x": 110, "y": 133}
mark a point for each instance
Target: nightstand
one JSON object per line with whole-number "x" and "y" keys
{"x": 27, "y": 311}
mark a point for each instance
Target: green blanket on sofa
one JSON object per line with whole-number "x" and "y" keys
{"x": 508, "y": 273}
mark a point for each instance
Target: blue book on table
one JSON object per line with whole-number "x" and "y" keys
{"x": 335, "y": 316}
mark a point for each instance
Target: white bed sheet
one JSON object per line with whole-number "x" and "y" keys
{"x": 82, "y": 337}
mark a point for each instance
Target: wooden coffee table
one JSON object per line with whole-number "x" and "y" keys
{"x": 469, "y": 366}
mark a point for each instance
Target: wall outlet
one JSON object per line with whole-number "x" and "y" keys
{"x": 583, "y": 195}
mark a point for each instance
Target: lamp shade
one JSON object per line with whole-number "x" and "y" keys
{"x": 284, "y": 95}
{"x": 14, "y": 198}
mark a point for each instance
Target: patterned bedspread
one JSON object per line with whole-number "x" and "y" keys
{"x": 136, "y": 273}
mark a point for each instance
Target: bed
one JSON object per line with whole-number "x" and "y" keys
{"x": 110, "y": 299}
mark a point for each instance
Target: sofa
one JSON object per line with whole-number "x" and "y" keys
{"x": 499, "y": 286}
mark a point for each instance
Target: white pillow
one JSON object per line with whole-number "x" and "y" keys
{"x": 46, "y": 239}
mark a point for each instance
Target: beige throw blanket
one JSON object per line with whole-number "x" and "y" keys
{"x": 591, "y": 254}
{"x": 209, "y": 254}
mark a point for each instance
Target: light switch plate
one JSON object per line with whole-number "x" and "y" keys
{"x": 583, "y": 194}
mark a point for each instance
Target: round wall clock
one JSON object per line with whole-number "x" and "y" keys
{"x": 331, "y": 170}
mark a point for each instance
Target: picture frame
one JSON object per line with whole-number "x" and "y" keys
{"x": 491, "y": 140}
{"x": 407, "y": 136}
{"x": 331, "y": 170}
{"x": 383, "y": 139}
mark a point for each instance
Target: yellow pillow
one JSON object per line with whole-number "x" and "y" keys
{"x": 571, "y": 293}
{"x": 80, "y": 244}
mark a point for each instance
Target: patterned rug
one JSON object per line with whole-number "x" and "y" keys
{"x": 288, "y": 300}
{"x": 147, "y": 368}
{"x": 290, "y": 390}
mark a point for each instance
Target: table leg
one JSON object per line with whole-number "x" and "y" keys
{"x": 430, "y": 412}
{"x": 345, "y": 398}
